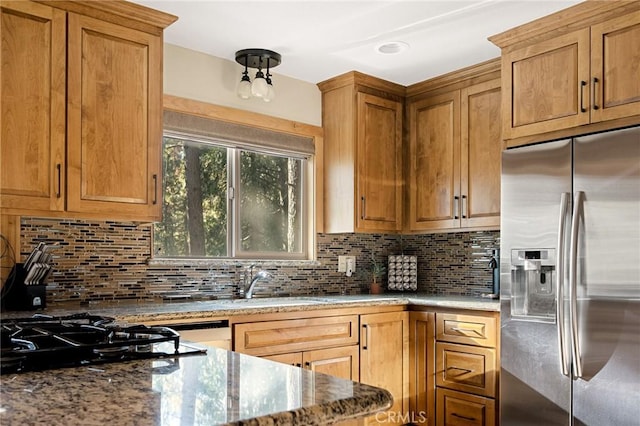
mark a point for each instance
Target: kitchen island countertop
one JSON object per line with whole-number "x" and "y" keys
{"x": 221, "y": 387}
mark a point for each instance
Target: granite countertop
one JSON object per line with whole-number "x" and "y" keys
{"x": 190, "y": 310}
{"x": 220, "y": 387}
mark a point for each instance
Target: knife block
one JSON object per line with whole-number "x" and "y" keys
{"x": 17, "y": 296}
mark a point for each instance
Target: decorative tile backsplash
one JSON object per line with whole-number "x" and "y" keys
{"x": 98, "y": 260}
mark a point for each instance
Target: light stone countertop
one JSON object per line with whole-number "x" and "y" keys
{"x": 190, "y": 310}
{"x": 221, "y": 387}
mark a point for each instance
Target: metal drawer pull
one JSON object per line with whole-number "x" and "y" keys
{"x": 471, "y": 419}
{"x": 461, "y": 369}
{"x": 463, "y": 330}
{"x": 595, "y": 93}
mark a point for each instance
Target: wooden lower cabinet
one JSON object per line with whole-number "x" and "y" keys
{"x": 421, "y": 358}
{"x": 294, "y": 358}
{"x": 338, "y": 362}
{"x": 384, "y": 359}
{"x": 466, "y": 367}
{"x": 442, "y": 368}
{"x": 462, "y": 409}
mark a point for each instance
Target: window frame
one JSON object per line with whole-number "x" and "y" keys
{"x": 236, "y": 249}
{"x": 311, "y": 177}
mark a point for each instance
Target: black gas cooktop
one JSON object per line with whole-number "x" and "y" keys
{"x": 42, "y": 342}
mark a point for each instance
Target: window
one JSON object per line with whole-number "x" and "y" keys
{"x": 232, "y": 200}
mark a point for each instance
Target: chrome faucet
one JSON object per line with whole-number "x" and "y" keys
{"x": 253, "y": 279}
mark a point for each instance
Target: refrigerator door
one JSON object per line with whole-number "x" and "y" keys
{"x": 607, "y": 174}
{"x": 533, "y": 389}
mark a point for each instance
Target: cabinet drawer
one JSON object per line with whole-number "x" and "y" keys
{"x": 273, "y": 337}
{"x": 466, "y": 368}
{"x": 467, "y": 329}
{"x": 455, "y": 408}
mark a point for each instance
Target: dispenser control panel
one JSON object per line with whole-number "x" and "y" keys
{"x": 533, "y": 278}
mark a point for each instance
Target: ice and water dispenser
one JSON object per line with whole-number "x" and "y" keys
{"x": 533, "y": 284}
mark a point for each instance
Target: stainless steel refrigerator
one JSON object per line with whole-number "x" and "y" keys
{"x": 570, "y": 282}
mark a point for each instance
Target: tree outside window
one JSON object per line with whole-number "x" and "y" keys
{"x": 229, "y": 201}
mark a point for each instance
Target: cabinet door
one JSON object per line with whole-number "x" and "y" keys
{"x": 480, "y": 156}
{"x": 434, "y": 170}
{"x": 32, "y": 144}
{"x": 379, "y": 156}
{"x": 294, "y": 358}
{"x": 384, "y": 360}
{"x": 421, "y": 363}
{"x": 338, "y": 362}
{"x": 114, "y": 119}
{"x": 546, "y": 85}
{"x": 615, "y": 61}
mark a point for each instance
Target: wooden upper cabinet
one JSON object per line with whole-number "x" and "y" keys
{"x": 434, "y": 156}
{"x": 81, "y": 109}
{"x": 546, "y": 85}
{"x": 362, "y": 123}
{"x": 575, "y": 71}
{"x": 615, "y": 68}
{"x": 114, "y": 119}
{"x": 454, "y": 152}
{"x": 480, "y": 154}
{"x": 379, "y": 154}
{"x": 33, "y": 106}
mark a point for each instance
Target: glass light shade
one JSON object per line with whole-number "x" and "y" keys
{"x": 244, "y": 89}
{"x": 259, "y": 86}
{"x": 271, "y": 93}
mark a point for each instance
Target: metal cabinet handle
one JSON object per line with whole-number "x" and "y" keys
{"x": 307, "y": 364}
{"x": 573, "y": 283}
{"x": 366, "y": 337}
{"x": 362, "y": 205}
{"x": 562, "y": 336}
{"x": 155, "y": 189}
{"x": 59, "y": 170}
{"x": 297, "y": 364}
{"x": 463, "y": 330}
{"x": 581, "y": 88}
{"x": 471, "y": 419}
{"x": 595, "y": 93}
{"x": 466, "y": 370}
{"x": 464, "y": 207}
{"x": 456, "y": 207}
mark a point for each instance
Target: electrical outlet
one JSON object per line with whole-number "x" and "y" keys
{"x": 342, "y": 263}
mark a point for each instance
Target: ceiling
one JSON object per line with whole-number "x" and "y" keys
{"x": 321, "y": 39}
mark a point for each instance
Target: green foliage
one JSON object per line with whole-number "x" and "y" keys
{"x": 378, "y": 269}
{"x": 269, "y": 201}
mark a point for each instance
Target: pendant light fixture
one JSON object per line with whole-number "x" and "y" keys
{"x": 262, "y": 86}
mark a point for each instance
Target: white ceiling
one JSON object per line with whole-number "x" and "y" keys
{"x": 321, "y": 39}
